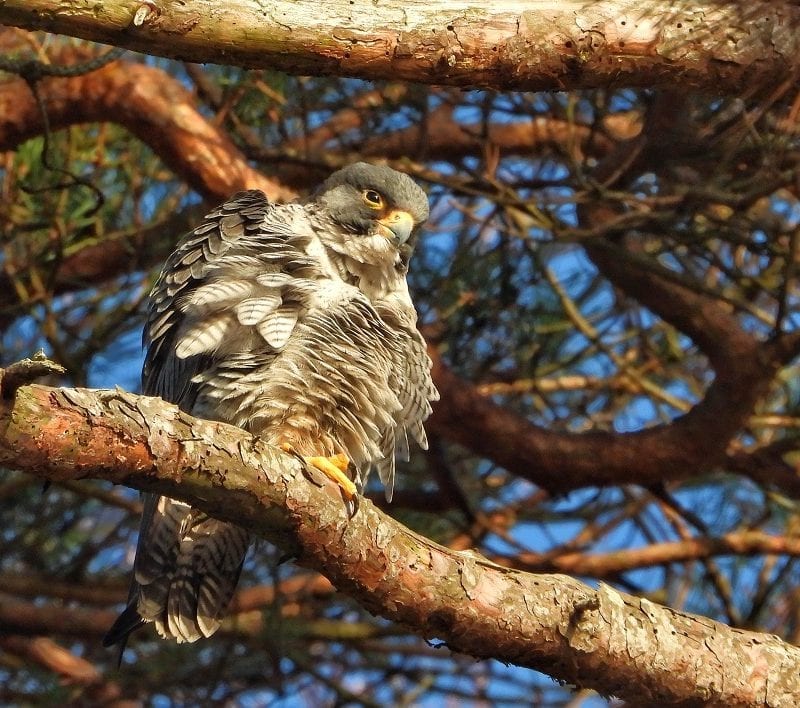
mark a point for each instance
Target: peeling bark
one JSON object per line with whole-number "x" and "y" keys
{"x": 510, "y": 45}
{"x": 601, "y": 638}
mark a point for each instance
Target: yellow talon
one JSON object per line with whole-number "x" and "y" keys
{"x": 333, "y": 467}
{"x": 339, "y": 461}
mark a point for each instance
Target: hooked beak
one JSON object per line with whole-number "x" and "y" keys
{"x": 396, "y": 226}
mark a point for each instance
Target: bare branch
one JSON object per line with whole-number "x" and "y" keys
{"x": 25, "y": 371}
{"x": 31, "y": 619}
{"x": 83, "y": 98}
{"x": 549, "y": 622}
{"x": 53, "y": 657}
{"x": 156, "y": 108}
{"x": 72, "y": 669}
{"x": 503, "y": 45}
{"x": 561, "y": 462}
{"x": 90, "y": 593}
{"x": 604, "y": 565}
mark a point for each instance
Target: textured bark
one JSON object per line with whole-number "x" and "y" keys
{"x": 561, "y": 44}
{"x": 600, "y": 638}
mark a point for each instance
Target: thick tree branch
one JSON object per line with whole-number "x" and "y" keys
{"x": 92, "y": 593}
{"x": 156, "y": 108}
{"x": 561, "y": 462}
{"x": 246, "y": 617}
{"x": 443, "y": 138}
{"x": 446, "y": 140}
{"x": 85, "y": 98}
{"x": 743, "y": 366}
{"x": 53, "y": 657}
{"x": 31, "y": 619}
{"x": 73, "y": 670}
{"x": 89, "y": 593}
{"x": 502, "y": 45}
{"x": 615, "y": 643}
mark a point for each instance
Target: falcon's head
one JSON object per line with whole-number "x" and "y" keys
{"x": 377, "y": 209}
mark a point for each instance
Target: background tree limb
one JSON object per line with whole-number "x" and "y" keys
{"x": 153, "y": 106}
{"x": 161, "y": 112}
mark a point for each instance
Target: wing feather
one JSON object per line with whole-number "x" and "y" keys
{"x": 201, "y": 306}
{"x": 217, "y": 291}
{"x": 203, "y": 336}
{"x": 253, "y": 310}
{"x": 411, "y": 378}
{"x": 278, "y": 325}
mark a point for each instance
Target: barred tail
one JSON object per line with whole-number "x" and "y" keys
{"x": 186, "y": 570}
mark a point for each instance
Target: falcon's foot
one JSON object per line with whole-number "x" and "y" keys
{"x": 333, "y": 467}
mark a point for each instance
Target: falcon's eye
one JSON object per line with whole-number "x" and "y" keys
{"x": 373, "y": 199}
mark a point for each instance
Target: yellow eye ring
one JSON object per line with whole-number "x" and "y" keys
{"x": 373, "y": 199}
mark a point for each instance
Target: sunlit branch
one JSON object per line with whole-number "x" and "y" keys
{"x": 475, "y": 606}
{"x": 506, "y": 46}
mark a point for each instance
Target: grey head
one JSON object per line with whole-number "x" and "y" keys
{"x": 366, "y": 199}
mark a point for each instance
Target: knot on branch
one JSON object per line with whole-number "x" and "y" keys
{"x": 26, "y": 371}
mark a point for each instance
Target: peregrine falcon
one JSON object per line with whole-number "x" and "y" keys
{"x": 293, "y": 322}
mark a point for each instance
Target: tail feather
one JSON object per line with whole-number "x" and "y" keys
{"x": 128, "y": 621}
{"x": 186, "y": 570}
